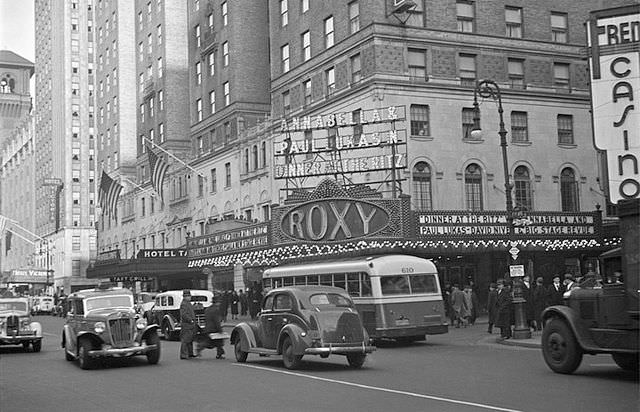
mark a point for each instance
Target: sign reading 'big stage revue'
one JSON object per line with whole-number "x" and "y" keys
{"x": 613, "y": 37}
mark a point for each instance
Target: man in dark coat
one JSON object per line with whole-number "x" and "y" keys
{"x": 187, "y": 326}
{"x": 538, "y": 296}
{"x": 492, "y": 309}
{"x": 555, "y": 292}
{"x": 527, "y": 291}
{"x": 504, "y": 309}
{"x": 212, "y": 317}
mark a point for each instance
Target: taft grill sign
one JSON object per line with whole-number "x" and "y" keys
{"x": 161, "y": 253}
{"x": 614, "y": 44}
{"x": 333, "y": 220}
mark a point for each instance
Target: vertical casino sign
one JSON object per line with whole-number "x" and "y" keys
{"x": 613, "y": 37}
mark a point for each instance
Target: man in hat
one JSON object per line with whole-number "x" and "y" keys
{"x": 187, "y": 326}
{"x": 569, "y": 282}
{"x": 212, "y": 317}
{"x": 504, "y": 309}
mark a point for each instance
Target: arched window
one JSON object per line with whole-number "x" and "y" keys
{"x": 473, "y": 187}
{"x": 522, "y": 186}
{"x": 422, "y": 186}
{"x": 569, "y": 190}
{"x": 254, "y": 157}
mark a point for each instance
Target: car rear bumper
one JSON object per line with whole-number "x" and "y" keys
{"x": 326, "y": 350}
{"x": 411, "y": 331}
{"x": 122, "y": 352}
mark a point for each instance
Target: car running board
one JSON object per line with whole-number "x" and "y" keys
{"x": 263, "y": 351}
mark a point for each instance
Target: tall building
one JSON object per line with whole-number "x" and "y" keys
{"x": 65, "y": 137}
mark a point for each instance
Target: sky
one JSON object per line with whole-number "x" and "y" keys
{"x": 16, "y": 28}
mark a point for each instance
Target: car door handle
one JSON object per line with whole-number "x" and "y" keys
{"x": 285, "y": 320}
{"x": 269, "y": 319}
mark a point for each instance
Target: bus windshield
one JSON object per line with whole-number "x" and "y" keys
{"x": 329, "y": 300}
{"x": 408, "y": 284}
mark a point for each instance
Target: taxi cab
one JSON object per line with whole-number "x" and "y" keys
{"x": 17, "y": 326}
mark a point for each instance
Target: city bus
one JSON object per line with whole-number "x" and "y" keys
{"x": 398, "y": 296}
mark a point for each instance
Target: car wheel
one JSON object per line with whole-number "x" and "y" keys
{"x": 291, "y": 361}
{"x": 627, "y": 361}
{"x": 25, "y": 345}
{"x": 86, "y": 362}
{"x": 152, "y": 339}
{"x": 560, "y": 348}
{"x": 241, "y": 356}
{"x": 37, "y": 345}
{"x": 166, "y": 330}
{"x": 356, "y": 360}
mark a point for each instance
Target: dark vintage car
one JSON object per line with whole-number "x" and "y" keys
{"x": 166, "y": 310}
{"x": 304, "y": 320}
{"x": 102, "y": 323}
{"x": 16, "y": 325}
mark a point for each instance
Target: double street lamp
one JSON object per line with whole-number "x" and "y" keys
{"x": 489, "y": 89}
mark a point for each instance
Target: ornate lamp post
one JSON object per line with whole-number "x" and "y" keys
{"x": 489, "y": 89}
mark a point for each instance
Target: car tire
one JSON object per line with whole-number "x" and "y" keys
{"x": 356, "y": 360}
{"x": 241, "y": 356}
{"x": 560, "y": 349}
{"x": 627, "y": 361}
{"x": 85, "y": 361}
{"x": 36, "y": 345}
{"x": 153, "y": 356}
{"x": 25, "y": 346}
{"x": 291, "y": 361}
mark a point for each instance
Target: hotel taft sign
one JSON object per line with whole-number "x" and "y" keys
{"x": 613, "y": 37}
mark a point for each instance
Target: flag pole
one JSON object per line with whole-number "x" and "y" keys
{"x": 22, "y": 237}
{"x": 138, "y": 186}
{"x": 15, "y": 222}
{"x": 174, "y": 157}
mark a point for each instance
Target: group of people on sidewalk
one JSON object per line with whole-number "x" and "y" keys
{"x": 240, "y": 302}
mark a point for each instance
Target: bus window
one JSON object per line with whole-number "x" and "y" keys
{"x": 325, "y": 280}
{"x": 338, "y": 281}
{"x": 366, "y": 284}
{"x": 312, "y": 279}
{"x": 423, "y": 284}
{"x": 299, "y": 280}
{"x": 353, "y": 284}
{"x": 287, "y": 281}
{"x": 394, "y": 285}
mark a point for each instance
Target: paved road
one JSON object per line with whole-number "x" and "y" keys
{"x": 464, "y": 370}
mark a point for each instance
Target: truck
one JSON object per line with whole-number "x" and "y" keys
{"x": 600, "y": 318}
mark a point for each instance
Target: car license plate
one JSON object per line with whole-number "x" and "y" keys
{"x": 402, "y": 322}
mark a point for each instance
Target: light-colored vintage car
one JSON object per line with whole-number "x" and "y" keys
{"x": 103, "y": 323}
{"x": 166, "y": 310}
{"x": 16, "y": 325}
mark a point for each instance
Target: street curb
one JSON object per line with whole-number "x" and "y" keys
{"x": 526, "y": 343}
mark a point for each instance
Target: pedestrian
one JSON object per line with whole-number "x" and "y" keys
{"x": 212, "y": 318}
{"x": 468, "y": 302}
{"x": 256, "y": 301}
{"x": 492, "y": 309}
{"x": 527, "y": 290}
{"x": 458, "y": 306}
{"x": 243, "y": 303}
{"x": 538, "y": 296}
{"x": 235, "y": 300}
{"x": 187, "y": 326}
{"x": 569, "y": 282}
{"x": 555, "y": 292}
{"x": 224, "y": 305}
{"x": 446, "y": 298}
{"x": 503, "y": 305}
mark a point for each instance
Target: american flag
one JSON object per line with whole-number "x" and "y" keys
{"x": 109, "y": 193}
{"x": 158, "y": 170}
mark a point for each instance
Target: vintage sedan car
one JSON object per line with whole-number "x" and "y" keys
{"x": 144, "y": 302}
{"x": 102, "y": 323}
{"x": 16, "y": 326}
{"x": 166, "y": 310}
{"x": 43, "y": 305}
{"x": 304, "y": 320}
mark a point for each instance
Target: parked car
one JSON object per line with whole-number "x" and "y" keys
{"x": 166, "y": 310}
{"x": 102, "y": 323}
{"x": 144, "y": 302}
{"x": 304, "y": 320}
{"x": 16, "y": 325}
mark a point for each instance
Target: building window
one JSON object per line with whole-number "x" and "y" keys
{"x": 561, "y": 75}
{"x": 416, "y": 15}
{"x": 200, "y": 186}
{"x": 468, "y": 115}
{"x": 356, "y": 68}
{"x": 354, "y": 16}
{"x": 214, "y": 180}
{"x": 468, "y": 70}
{"x": 284, "y": 55}
{"x": 211, "y": 61}
{"x": 160, "y": 68}
{"x": 198, "y": 73}
{"x": 225, "y": 87}
{"x": 263, "y": 154}
{"x": 227, "y": 175}
{"x": 254, "y": 157}
{"x": 304, "y": 5}
{"x": 225, "y": 54}
{"x": 418, "y": 64}
{"x": 143, "y": 209}
{"x": 473, "y": 187}
{"x": 284, "y": 12}
{"x": 422, "y": 186}
{"x": 286, "y": 102}
{"x": 559, "y": 27}
{"x": 306, "y": 46}
{"x": 197, "y": 34}
{"x": 159, "y": 33}
{"x": 419, "y": 120}
{"x": 306, "y": 85}
{"x": 516, "y": 73}
{"x": 513, "y": 20}
{"x": 149, "y": 44}
{"x": 210, "y": 21}
{"x": 199, "y": 110}
{"x": 519, "y": 129}
{"x": 161, "y": 132}
{"x": 522, "y": 188}
{"x": 565, "y": 129}
{"x": 569, "y": 190}
{"x": 160, "y": 100}
{"x": 225, "y": 14}
{"x": 465, "y": 15}
{"x": 75, "y": 263}
{"x": 330, "y": 76}
{"x": 212, "y": 101}
{"x": 142, "y": 117}
{"x": 328, "y": 32}
{"x": 75, "y": 243}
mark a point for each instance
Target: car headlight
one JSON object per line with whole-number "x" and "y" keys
{"x": 99, "y": 327}
{"x": 24, "y": 323}
{"x": 141, "y": 323}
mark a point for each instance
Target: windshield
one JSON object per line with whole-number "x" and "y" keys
{"x": 408, "y": 284}
{"x": 324, "y": 301}
{"x": 102, "y": 302}
{"x": 13, "y": 306}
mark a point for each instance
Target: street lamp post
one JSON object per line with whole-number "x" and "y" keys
{"x": 489, "y": 89}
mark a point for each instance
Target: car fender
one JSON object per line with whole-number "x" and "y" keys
{"x": 294, "y": 332}
{"x": 146, "y": 331}
{"x": 89, "y": 335}
{"x": 572, "y": 319}
{"x": 37, "y": 327}
{"x": 243, "y": 333}
{"x": 172, "y": 322}
{"x": 66, "y": 331}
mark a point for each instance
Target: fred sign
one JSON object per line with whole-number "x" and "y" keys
{"x": 614, "y": 60}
